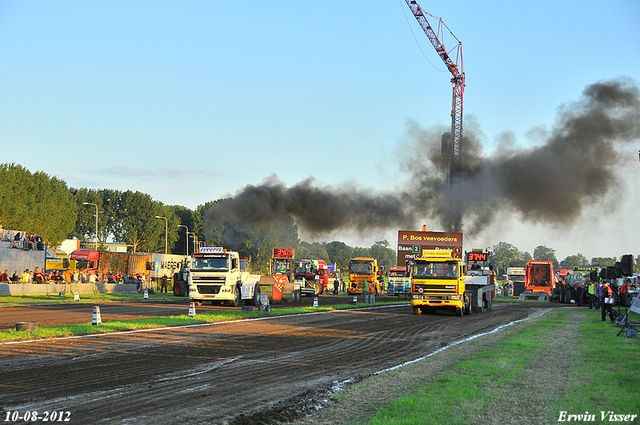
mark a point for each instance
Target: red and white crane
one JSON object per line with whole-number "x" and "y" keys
{"x": 453, "y": 60}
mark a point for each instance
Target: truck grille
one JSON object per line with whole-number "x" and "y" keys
{"x": 209, "y": 289}
{"x": 441, "y": 289}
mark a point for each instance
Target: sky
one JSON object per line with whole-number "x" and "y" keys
{"x": 192, "y": 101}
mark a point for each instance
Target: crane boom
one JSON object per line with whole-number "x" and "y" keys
{"x": 455, "y": 67}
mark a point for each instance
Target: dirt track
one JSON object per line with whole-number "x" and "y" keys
{"x": 242, "y": 372}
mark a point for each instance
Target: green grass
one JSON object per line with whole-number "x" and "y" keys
{"x": 594, "y": 370}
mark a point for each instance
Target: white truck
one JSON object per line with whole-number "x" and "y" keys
{"x": 215, "y": 274}
{"x": 514, "y": 285}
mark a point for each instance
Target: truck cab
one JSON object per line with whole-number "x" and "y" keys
{"x": 399, "y": 281}
{"x": 363, "y": 276}
{"x": 216, "y": 275}
{"x": 437, "y": 283}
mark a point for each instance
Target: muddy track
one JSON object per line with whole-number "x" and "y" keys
{"x": 245, "y": 372}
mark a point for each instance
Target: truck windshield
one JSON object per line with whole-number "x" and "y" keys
{"x": 435, "y": 270}
{"x": 302, "y": 268}
{"x": 217, "y": 264}
{"x": 82, "y": 264}
{"x": 360, "y": 267}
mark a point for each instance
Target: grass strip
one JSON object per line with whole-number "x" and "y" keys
{"x": 568, "y": 361}
{"x": 605, "y": 376}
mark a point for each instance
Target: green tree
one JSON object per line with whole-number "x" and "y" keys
{"x": 35, "y": 203}
{"x": 636, "y": 265}
{"x": 573, "y": 261}
{"x": 543, "y": 253}
{"x": 136, "y": 224}
{"x": 603, "y": 261}
{"x": 85, "y": 223}
{"x": 505, "y": 255}
{"x": 386, "y": 256}
{"x": 339, "y": 253}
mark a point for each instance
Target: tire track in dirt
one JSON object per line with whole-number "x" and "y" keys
{"x": 207, "y": 374}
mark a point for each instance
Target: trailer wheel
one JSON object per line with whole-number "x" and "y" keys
{"x": 467, "y": 307}
{"x": 256, "y": 297}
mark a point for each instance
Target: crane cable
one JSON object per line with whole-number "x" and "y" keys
{"x": 416, "y": 40}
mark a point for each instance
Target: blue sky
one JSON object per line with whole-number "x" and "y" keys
{"x": 191, "y": 101}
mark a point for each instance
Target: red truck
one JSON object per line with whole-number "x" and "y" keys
{"x": 122, "y": 263}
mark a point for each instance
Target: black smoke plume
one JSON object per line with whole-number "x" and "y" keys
{"x": 549, "y": 183}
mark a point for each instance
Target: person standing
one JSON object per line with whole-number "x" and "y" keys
{"x": 579, "y": 295}
{"x": 607, "y": 301}
{"x": 592, "y": 294}
{"x": 336, "y": 285}
{"x": 164, "y": 284}
{"x": 598, "y": 295}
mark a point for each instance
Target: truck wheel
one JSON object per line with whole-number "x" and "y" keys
{"x": 197, "y": 303}
{"x": 178, "y": 289}
{"x": 236, "y": 298}
{"x": 416, "y": 310}
{"x": 459, "y": 312}
{"x": 317, "y": 288}
{"x": 298, "y": 296}
{"x": 567, "y": 296}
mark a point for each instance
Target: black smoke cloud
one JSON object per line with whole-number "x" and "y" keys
{"x": 550, "y": 183}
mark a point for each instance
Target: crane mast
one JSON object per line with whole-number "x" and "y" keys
{"x": 454, "y": 146}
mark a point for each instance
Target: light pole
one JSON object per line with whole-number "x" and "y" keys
{"x": 89, "y": 203}
{"x": 166, "y": 230}
{"x": 186, "y": 239}
{"x": 195, "y": 241}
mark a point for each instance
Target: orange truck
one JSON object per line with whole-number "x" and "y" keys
{"x": 363, "y": 276}
{"x": 539, "y": 280}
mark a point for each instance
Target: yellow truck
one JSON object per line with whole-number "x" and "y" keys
{"x": 363, "y": 273}
{"x": 440, "y": 281}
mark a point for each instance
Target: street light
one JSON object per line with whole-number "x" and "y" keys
{"x": 166, "y": 224}
{"x": 89, "y": 203}
{"x": 186, "y": 239}
{"x": 195, "y": 241}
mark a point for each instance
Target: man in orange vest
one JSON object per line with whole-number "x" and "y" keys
{"x": 607, "y": 301}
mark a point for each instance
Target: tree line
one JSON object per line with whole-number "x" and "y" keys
{"x": 38, "y": 203}
{"x": 41, "y": 204}
{"x": 505, "y": 255}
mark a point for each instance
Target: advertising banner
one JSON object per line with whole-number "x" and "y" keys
{"x": 412, "y": 243}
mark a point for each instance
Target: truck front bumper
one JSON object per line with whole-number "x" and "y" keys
{"x": 211, "y": 293}
{"x": 437, "y": 301}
